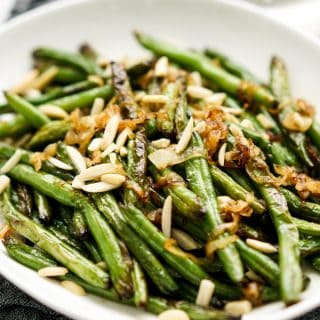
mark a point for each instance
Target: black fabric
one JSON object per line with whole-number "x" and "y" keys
{"x": 16, "y": 305}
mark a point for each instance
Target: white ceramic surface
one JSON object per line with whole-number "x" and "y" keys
{"x": 231, "y": 26}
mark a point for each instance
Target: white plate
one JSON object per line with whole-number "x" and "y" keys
{"x": 231, "y": 26}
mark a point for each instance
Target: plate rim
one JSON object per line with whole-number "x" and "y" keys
{"x": 284, "y": 314}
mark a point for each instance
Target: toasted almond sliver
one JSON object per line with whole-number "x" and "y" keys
{"x": 238, "y": 308}
{"x": 185, "y": 137}
{"x": 205, "y": 292}
{"x": 97, "y": 171}
{"x": 99, "y": 187}
{"x": 59, "y": 164}
{"x": 103, "y": 62}
{"x": 26, "y": 82}
{"x": 154, "y": 98}
{"x": 264, "y": 121}
{"x": 161, "y": 67}
{"x": 23, "y": 140}
{"x": 184, "y": 240}
{"x": 166, "y": 217}
{"x": 73, "y": 287}
{"x": 76, "y": 158}
{"x": 53, "y": 111}
{"x": 96, "y": 79}
{"x": 200, "y": 127}
{"x": 262, "y": 246}
{"x": 77, "y": 183}
{"x": 216, "y": 100}
{"x": 102, "y": 265}
{"x": 11, "y": 162}
{"x": 32, "y": 93}
{"x": 232, "y": 110}
{"x": 123, "y": 151}
{"x": 221, "y": 154}
{"x": 173, "y": 314}
{"x": 113, "y": 158}
{"x": 45, "y": 78}
{"x": 113, "y": 178}
{"x": 52, "y": 271}
{"x": 110, "y": 132}
{"x": 198, "y": 92}
{"x": 97, "y": 106}
{"x": 195, "y": 79}
{"x": 161, "y": 143}
{"x": 112, "y": 147}
{"x": 95, "y": 144}
{"x": 4, "y": 183}
{"x": 246, "y": 123}
{"x": 122, "y": 139}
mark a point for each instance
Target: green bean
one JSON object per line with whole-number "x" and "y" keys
{"x": 23, "y": 201}
{"x": 207, "y": 69}
{"x": 303, "y": 209}
{"x": 309, "y": 245}
{"x": 232, "y": 66}
{"x": 43, "y": 207}
{"x": 315, "y": 262}
{"x": 241, "y": 178}
{"x": 259, "y": 263}
{"x": 75, "y": 60}
{"x": 140, "y": 285}
{"x": 166, "y": 115}
{"x": 30, "y": 257}
{"x": 234, "y": 190}
{"x": 49, "y": 133}
{"x": 45, "y": 240}
{"x": 306, "y": 227}
{"x": 67, "y": 75}
{"x": 180, "y": 262}
{"x": 107, "y": 204}
{"x": 35, "y": 117}
{"x": 78, "y": 225}
{"x": 198, "y": 175}
{"x": 94, "y": 253}
{"x": 14, "y": 126}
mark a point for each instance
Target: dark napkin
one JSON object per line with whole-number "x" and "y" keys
{"x": 16, "y": 305}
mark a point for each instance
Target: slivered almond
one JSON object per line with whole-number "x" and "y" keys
{"x": 23, "y": 140}
{"x": 166, "y": 217}
{"x": 184, "y": 240}
{"x": 200, "y": 127}
{"x": 45, "y": 78}
{"x": 96, "y": 79}
{"x": 198, "y": 92}
{"x": 77, "y": 183}
{"x": 95, "y": 144}
{"x": 103, "y": 62}
{"x": 161, "y": 67}
{"x": 4, "y": 183}
{"x": 112, "y": 147}
{"x": 97, "y": 171}
{"x": 11, "y": 162}
{"x": 26, "y": 82}
{"x": 99, "y": 187}
{"x": 194, "y": 79}
{"x": 205, "y": 292}
{"x": 221, "y": 154}
{"x": 97, "y": 106}
{"x": 216, "y": 99}
{"x": 32, "y": 93}
{"x": 185, "y": 137}
{"x": 73, "y": 287}
{"x": 76, "y": 158}
{"x": 232, "y": 110}
{"x": 262, "y": 246}
{"x": 113, "y": 178}
{"x": 122, "y": 138}
{"x": 246, "y": 123}
{"x": 264, "y": 121}
{"x": 59, "y": 164}
{"x": 161, "y": 143}
{"x": 238, "y": 308}
{"x": 110, "y": 132}
{"x": 52, "y": 271}
{"x": 113, "y": 158}
{"x": 154, "y": 99}
{"x": 54, "y": 112}
{"x": 173, "y": 314}
{"x": 102, "y": 265}
{"x": 123, "y": 151}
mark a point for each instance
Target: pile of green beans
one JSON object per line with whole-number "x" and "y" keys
{"x": 217, "y": 209}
